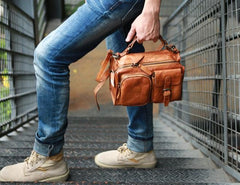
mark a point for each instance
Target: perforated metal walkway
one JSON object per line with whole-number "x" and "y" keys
{"x": 178, "y": 161}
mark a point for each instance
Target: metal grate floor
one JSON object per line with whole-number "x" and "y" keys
{"x": 178, "y": 161}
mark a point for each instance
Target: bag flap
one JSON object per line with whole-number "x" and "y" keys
{"x": 129, "y": 59}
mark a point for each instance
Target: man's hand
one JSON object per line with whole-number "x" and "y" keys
{"x": 147, "y": 25}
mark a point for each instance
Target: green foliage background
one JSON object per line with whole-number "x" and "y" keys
{"x": 69, "y": 9}
{"x": 5, "y": 106}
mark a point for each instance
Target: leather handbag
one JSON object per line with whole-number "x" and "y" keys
{"x": 136, "y": 79}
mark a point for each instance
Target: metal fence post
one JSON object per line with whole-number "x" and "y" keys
{"x": 224, "y": 76}
{"x": 36, "y": 31}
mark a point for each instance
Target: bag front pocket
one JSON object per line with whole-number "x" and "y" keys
{"x": 134, "y": 90}
{"x": 167, "y": 80}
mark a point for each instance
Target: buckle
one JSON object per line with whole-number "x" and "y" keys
{"x": 167, "y": 89}
{"x": 172, "y": 48}
{"x": 116, "y": 55}
{"x": 166, "y": 92}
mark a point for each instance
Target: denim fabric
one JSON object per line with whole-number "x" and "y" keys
{"x": 78, "y": 35}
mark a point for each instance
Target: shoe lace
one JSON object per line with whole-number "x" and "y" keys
{"x": 33, "y": 159}
{"x": 124, "y": 150}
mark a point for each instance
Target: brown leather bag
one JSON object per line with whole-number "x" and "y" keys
{"x": 136, "y": 79}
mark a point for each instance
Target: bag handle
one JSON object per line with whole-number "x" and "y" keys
{"x": 162, "y": 45}
{"x": 126, "y": 51}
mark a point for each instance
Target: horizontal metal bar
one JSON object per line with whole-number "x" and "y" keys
{"x": 232, "y": 115}
{"x": 17, "y": 74}
{"x": 17, "y": 95}
{"x": 216, "y": 77}
{"x": 11, "y": 5}
{"x": 20, "y": 116}
{"x": 15, "y": 52}
{"x": 16, "y": 31}
{"x": 192, "y": 78}
{"x": 207, "y": 108}
{"x": 21, "y": 124}
{"x": 233, "y": 36}
{"x": 203, "y": 48}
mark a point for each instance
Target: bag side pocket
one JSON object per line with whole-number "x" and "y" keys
{"x": 174, "y": 87}
{"x": 134, "y": 90}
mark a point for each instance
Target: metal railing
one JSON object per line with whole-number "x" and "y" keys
{"x": 208, "y": 35}
{"x": 17, "y": 79}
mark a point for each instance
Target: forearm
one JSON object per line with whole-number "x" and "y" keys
{"x": 152, "y": 6}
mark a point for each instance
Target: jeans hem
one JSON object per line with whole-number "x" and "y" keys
{"x": 139, "y": 145}
{"x": 47, "y": 149}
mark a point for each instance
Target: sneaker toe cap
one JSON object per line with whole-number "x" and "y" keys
{"x": 108, "y": 158}
{"x": 10, "y": 173}
{"x": 3, "y": 175}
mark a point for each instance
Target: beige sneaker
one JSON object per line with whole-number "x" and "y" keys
{"x": 125, "y": 158}
{"x": 37, "y": 168}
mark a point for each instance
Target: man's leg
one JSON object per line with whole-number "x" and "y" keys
{"x": 79, "y": 34}
{"x": 140, "y": 128}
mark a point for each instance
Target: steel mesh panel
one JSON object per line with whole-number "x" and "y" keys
{"x": 209, "y": 40}
{"x": 17, "y": 79}
{"x": 21, "y": 23}
{"x": 232, "y": 48}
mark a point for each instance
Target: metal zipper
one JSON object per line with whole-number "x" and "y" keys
{"x": 154, "y": 63}
{"x": 145, "y": 64}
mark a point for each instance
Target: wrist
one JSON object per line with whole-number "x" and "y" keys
{"x": 152, "y": 7}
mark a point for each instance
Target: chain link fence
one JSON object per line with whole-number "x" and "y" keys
{"x": 207, "y": 34}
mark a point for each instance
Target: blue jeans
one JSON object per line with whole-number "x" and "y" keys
{"x": 79, "y": 34}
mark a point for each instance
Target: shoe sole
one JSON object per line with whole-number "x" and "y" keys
{"x": 145, "y": 165}
{"x": 2, "y": 180}
{"x": 60, "y": 178}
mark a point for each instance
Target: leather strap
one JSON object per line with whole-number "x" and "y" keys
{"x": 102, "y": 75}
{"x": 126, "y": 51}
{"x": 167, "y": 91}
{"x": 104, "y": 72}
{"x": 146, "y": 70}
{"x": 96, "y": 89}
{"x": 163, "y": 43}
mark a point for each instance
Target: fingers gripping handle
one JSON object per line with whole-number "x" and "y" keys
{"x": 126, "y": 51}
